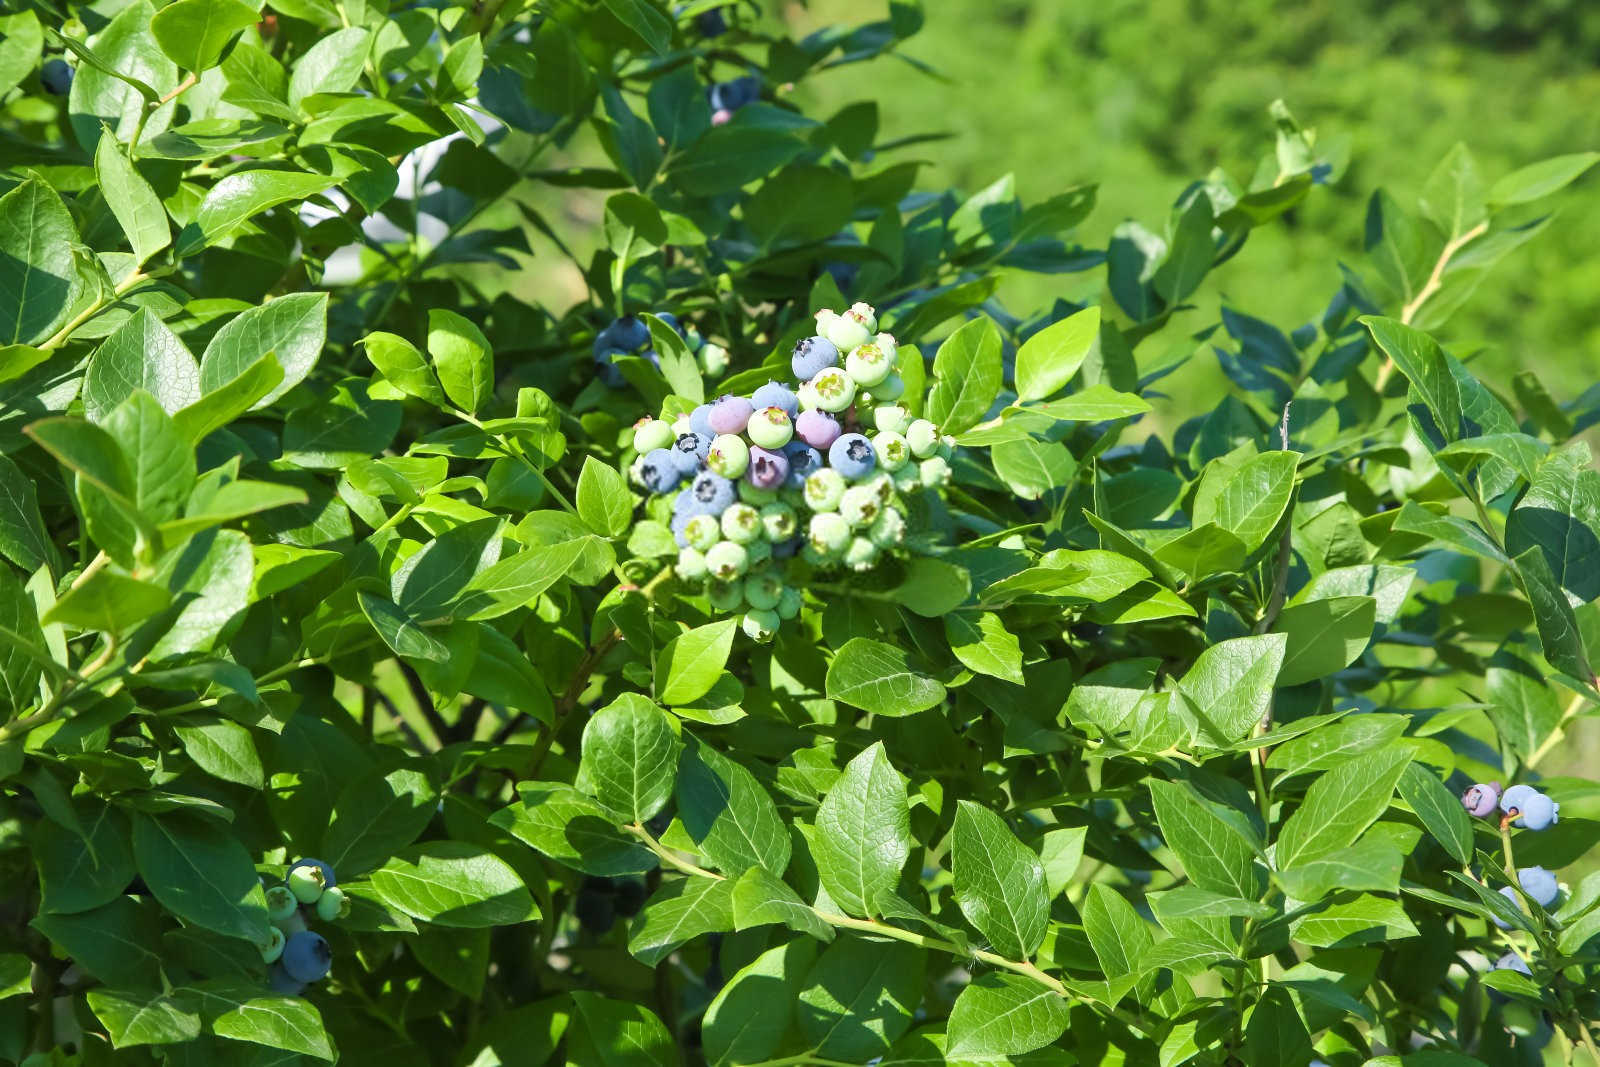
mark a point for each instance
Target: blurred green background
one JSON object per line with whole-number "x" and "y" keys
{"x": 1141, "y": 96}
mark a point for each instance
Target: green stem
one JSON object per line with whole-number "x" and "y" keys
{"x": 1505, "y": 846}
{"x": 1550, "y": 742}
{"x": 61, "y": 336}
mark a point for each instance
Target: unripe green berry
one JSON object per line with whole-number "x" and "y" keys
{"x": 306, "y": 883}
{"x": 889, "y": 390}
{"x": 778, "y": 521}
{"x": 815, "y": 558}
{"x": 789, "y": 604}
{"x": 883, "y": 485}
{"x": 947, "y": 447}
{"x": 824, "y": 489}
{"x": 860, "y": 554}
{"x": 713, "y": 359}
{"x": 892, "y": 451}
{"x": 860, "y": 505}
{"x": 867, "y": 365}
{"x": 888, "y": 529}
{"x": 908, "y": 478}
{"x": 923, "y": 437}
{"x": 691, "y": 564}
{"x": 935, "y": 472}
{"x": 829, "y": 533}
{"x": 702, "y": 532}
{"x": 741, "y": 524}
{"x": 726, "y": 596}
{"x": 333, "y": 904}
{"x": 729, "y": 455}
{"x": 273, "y": 948}
{"x": 844, "y": 330}
{"x": 761, "y": 625}
{"x": 763, "y": 590}
{"x": 727, "y": 560}
{"x": 807, "y": 395}
{"x": 770, "y": 428}
{"x": 751, "y": 494}
{"x": 835, "y": 389}
{"x": 890, "y": 346}
{"x": 651, "y": 434}
{"x": 281, "y": 903}
{"x": 758, "y": 551}
{"x": 891, "y": 418}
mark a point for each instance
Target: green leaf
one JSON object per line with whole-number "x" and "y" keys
{"x": 141, "y": 354}
{"x": 1060, "y": 852}
{"x": 651, "y": 27}
{"x": 200, "y": 875}
{"x": 344, "y": 428}
{"x": 377, "y": 814}
{"x": 1420, "y": 359}
{"x": 145, "y": 1018}
{"x": 604, "y": 502}
{"x": 223, "y": 749}
{"x": 1117, "y": 935}
{"x": 517, "y": 580}
{"x": 127, "y": 70}
{"x": 967, "y": 377}
{"x": 161, "y": 462}
{"x": 78, "y": 873}
{"x": 456, "y": 884}
{"x": 1560, "y": 516}
{"x": 863, "y": 833}
{"x": 1439, "y": 809}
{"x": 332, "y": 65}
{"x": 193, "y": 33}
{"x": 933, "y": 588}
{"x": 803, "y": 202}
{"x": 1364, "y": 919}
{"x": 1539, "y": 180}
{"x": 573, "y": 830}
{"x": 1214, "y": 843}
{"x": 1340, "y": 805}
{"x": 462, "y": 358}
{"x": 731, "y": 818}
{"x": 108, "y": 602}
{"x": 23, "y": 538}
{"x": 36, "y": 262}
{"x": 16, "y": 973}
{"x": 131, "y": 199}
{"x": 1095, "y": 403}
{"x": 858, "y": 997}
{"x": 983, "y": 644}
{"x": 431, "y": 579}
{"x": 228, "y": 401}
{"x": 879, "y": 678}
{"x": 1249, "y": 500}
{"x": 677, "y": 362}
{"x": 22, "y": 643}
{"x": 1325, "y": 636}
{"x": 691, "y": 663}
{"x": 119, "y": 944}
{"x": 1559, "y": 636}
{"x": 292, "y": 328}
{"x": 1190, "y": 254}
{"x": 237, "y": 198}
{"x": 1004, "y": 1015}
{"x": 399, "y": 631}
{"x": 1047, "y": 361}
{"x": 404, "y": 367}
{"x": 1031, "y": 468}
{"x": 21, "y": 43}
{"x": 282, "y": 1022}
{"x": 761, "y": 899}
{"x": 1373, "y": 865}
{"x": 1231, "y": 682}
{"x": 731, "y": 156}
{"x": 617, "y": 1033}
{"x": 748, "y": 1020}
{"x": 1276, "y": 1034}
{"x": 999, "y": 882}
{"x": 630, "y": 756}
{"x": 678, "y": 912}
{"x": 256, "y": 82}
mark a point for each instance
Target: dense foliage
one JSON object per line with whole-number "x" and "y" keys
{"x": 365, "y": 700}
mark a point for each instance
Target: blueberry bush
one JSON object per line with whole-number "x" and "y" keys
{"x": 519, "y": 545}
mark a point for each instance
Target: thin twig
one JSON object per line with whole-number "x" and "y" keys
{"x": 1431, "y": 286}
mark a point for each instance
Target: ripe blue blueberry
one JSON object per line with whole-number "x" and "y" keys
{"x": 307, "y": 879}
{"x": 786, "y": 549}
{"x": 712, "y": 492}
{"x": 659, "y": 471}
{"x": 680, "y": 528}
{"x": 817, "y": 428}
{"x": 606, "y": 370}
{"x": 689, "y": 451}
{"x": 1539, "y": 884}
{"x": 803, "y": 462}
{"x": 852, "y": 456}
{"x": 1516, "y": 902}
{"x": 731, "y": 414}
{"x": 1512, "y": 962}
{"x": 700, "y": 420}
{"x": 630, "y": 332}
{"x": 279, "y": 981}
{"x": 812, "y": 356}
{"x": 1513, "y": 797}
{"x": 774, "y": 395}
{"x": 307, "y": 957}
{"x": 671, "y": 320}
{"x": 711, "y": 23}
{"x": 1529, "y": 809}
{"x": 56, "y": 77}
{"x": 1480, "y": 799}
{"x": 768, "y": 469}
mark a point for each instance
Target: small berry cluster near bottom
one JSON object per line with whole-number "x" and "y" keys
{"x": 300, "y": 956}
{"x": 1524, "y": 808}
{"x": 822, "y": 473}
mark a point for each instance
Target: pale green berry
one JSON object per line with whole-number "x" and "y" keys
{"x": 891, "y": 418}
{"x": 691, "y": 564}
{"x": 908, "y": 478}
{"x": 306, "y": 883}
{"x": 830, "y": 532}
{"x": 273, "y": 948}
{"x": 890, "y": 346}
{"x": 702, "y": 532}
{"x": 651, "y": 434}
{"x": 759, "y": 551}
{"x": 947, "y": 447}
{"x": 835, "y": 389}
{"x": 761, "y": 625}
{"x": 729, "y": 455}
{"x": 889, "y": 529}
{"x": 789, "y": 604}
{"x": 770, "y": 428}
{"x": 281, "y": 903}
{"x": 868, "y": 365}
{"x": 892, "y": 450}
{"x": 680, "y": 426}
{"x": 726, "y": 596}
{"x": 860, "y": 554}
{"x": 812, "y": 556}
{"x": 860, "y": 505}
{"x": 741, "y": 524}
{"x": 889, "y": 390}
{"x": 714, "y": 359}
{"x": 778, "y": 521}
{"x": 865, "y": 314}
{"x": 763, "y": 590}
{"x": 923, "y": 437}
{"x": 727, "y": 560}
{"x": 935, "y": 472}
{"x": 845, "y": 331}
{"x": 807, "y": 394}
{"x": 824, "y": 489}
{"x": 883, "y": 485}
{"x": 751, "y": 494}
{"x": 333, "y": 904}
{"x": 795, "y": 498}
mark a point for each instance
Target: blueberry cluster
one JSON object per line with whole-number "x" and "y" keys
{"x": 727, "y": 97}
{"x": 298, "y": 955}
{"x": 629, "y": 336}
{"x": 818, "y": 471}
{"x": 1523, "y": 806}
